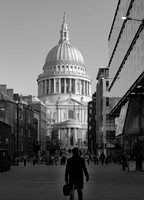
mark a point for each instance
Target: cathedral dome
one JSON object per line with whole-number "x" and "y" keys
{"x": 64, "y": 52}
{"x": 64, "y": 72}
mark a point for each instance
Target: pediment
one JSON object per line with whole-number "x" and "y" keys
{"x": 70, "y": 123}
{"x": 70, "y": 101}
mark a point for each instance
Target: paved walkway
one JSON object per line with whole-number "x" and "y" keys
{"x": 43, "y": 182}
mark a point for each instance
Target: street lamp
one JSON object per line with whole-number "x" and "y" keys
{"x": 133, "y": 19}
{"x": 17, "y": 103}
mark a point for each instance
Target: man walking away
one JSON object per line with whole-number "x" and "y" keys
{"x": 75, "y": 168}
{"x": 102, "y": 158}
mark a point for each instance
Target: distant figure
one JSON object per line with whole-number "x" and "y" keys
{"x": 95, "y": 159}
{"x": 124, "y": 161}
{"x": 102, "y": 158}
{"x": 34, "y": 161}
{"x": 63, "y": 160}
{"x": 74, "y": 174}
{"x": 24, "y": 160}
{"x": 17, "y": 161}
{"x": 88, "y": 160}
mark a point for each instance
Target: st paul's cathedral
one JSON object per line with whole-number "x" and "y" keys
{"x": 65, "y": 89}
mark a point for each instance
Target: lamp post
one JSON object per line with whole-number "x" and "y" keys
{"x": 133, "y": 19}
{"x": 17, "y": 106}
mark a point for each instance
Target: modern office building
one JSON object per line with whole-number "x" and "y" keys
{"x": 92, "y": 125}
{"x": 126, "y": 67}
{"x": 65, "y": 88}
{"x": 105, "y": 126}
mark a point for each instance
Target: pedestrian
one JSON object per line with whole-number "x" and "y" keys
{"x": 24, "y": 160}
{"x": 124, "y": 161}
{"x": 34, "y": 160}
{"x": 95, "y": 159}
{"x": 102, "y": 158}
{"x": 75, "y": 168}
{"x": 17, "y": 161}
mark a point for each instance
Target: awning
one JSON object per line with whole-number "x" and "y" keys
{"x": 135, "y": 91}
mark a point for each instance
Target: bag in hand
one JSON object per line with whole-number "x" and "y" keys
{"x": 66, "y": 190}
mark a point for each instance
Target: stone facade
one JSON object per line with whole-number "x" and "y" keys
{"x": 65, "y": 88}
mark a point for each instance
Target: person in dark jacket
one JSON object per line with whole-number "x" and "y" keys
{"x": 102, "y": 158}
{"x": 124, "y": 161}
{"x": 75, "y": 168}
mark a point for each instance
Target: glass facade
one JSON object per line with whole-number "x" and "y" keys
{"x": 126, "y": 66}
{"x": 126, "y": 50}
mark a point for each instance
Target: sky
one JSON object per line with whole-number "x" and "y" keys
{"x": 31, "y": 28}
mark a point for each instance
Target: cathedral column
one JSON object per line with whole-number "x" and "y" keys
{"x": 88, "y": 88}
{"x": 64, "y": 85}
{"x": 38, "y": 88}
{"x": 59, "y": 85}
{"x": 75, "y": 86}
{"x": 70, "y": 85}
{"x": 84, "y": 87}
{"x": 59, "y": 134}
{"x": 54, "y": 85}
{"x": 45, "y": 87}
{"x": 49, "y": 86}
{"x": 69, "y": 136}
{"x": 74, "y": 138}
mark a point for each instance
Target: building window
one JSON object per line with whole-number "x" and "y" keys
{"x": 43, "y": 87}
{"x": 67, "y": 85}
{"x": 29, "y": 133}
{"x": 73, "y": 86}
{"x": 71, "y": 114}
{"x": 62, "y": 85}
{"x": 28, "y": 120}
{"x": 107, "y": 85}
{"x": 57, "y": 84}
{"x": 64, "y": 116}
{"x": 78, "y": 117}
{"x": 47, "y": 86}
{"x": 107, "y": 101}
{"x": 52, "y": 86}
{"x": 82, "y": 87}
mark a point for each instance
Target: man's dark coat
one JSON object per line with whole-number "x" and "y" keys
{"x": 74, "y": 172}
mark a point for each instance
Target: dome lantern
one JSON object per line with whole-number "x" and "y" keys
{"x": 64, "y": 53}
{"x": 64, "y": 34}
